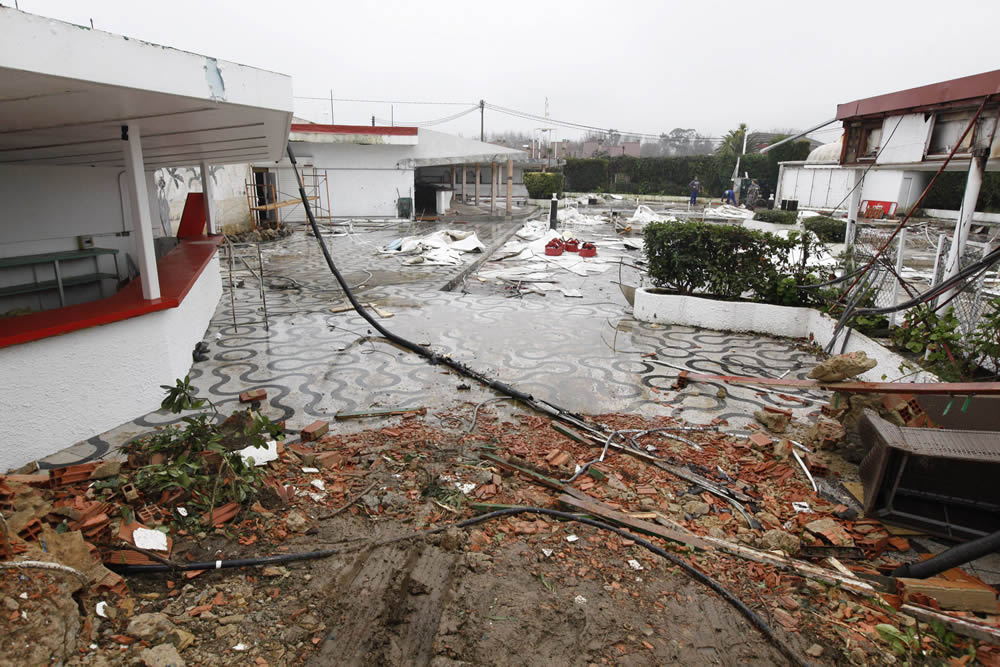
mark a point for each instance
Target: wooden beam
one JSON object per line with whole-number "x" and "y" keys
{"x": 380, "y": 413}
{"x": 936, "y": 388}
{"x": 598, "y": 509}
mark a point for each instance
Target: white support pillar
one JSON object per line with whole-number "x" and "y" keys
{"x": 477, "y": 184}
{"x": 510, "y": 187}
{"x": 208, "y": 197}
{"x": 900, "y": 252}
{"x": 973, "y": 183}
{"x": 464, "y": 172}
{"x": 857, "y": 185}
{"x": 493, "y": 188}
{"x": 141, "y": 218}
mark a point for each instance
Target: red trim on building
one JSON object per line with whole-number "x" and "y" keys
{"x": 179, "y": 269}
{"x": 396, "y": 131}
{"x": 966, "y": 88}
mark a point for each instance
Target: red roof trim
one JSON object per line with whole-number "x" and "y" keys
{"x": 179, "y": 269}
{"x": 965, "y": 88}
{"x": 396, "y": 131}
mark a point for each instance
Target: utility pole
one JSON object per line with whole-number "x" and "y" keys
{"x": 482, "y": 121}
{"x": 332, "y": 122}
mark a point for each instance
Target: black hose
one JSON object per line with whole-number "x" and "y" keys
{"x": 432, "y": 356}
{"x": 957, "y": 555}
{"x": 689, "y": 569}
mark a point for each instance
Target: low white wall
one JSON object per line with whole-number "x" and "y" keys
{"x": 69, "y": 388}
{"x": 771, "y": 320}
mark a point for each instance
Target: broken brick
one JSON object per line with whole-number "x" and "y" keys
{"x": 253, "y": 395}
{"x": 315, "y": 430}
{"x": 329, "y": 459}
{"x": 761, "y": 440}
{"x": 221, "y": 515}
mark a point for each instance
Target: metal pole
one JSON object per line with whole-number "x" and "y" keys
{"x": 553, "y": 207}
{"x": 332, "y": 122}
{"x": 510, "y": 187}
{"x": 973, "y": 183}
{"x": 899, "y": 272}
{"x": 482, "y": 121}
{"x": 493, "y": 188}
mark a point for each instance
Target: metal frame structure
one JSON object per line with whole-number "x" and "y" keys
{"x": 231, "y": 254}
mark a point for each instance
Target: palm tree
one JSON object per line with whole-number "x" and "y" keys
{"x": 732, "y": 142}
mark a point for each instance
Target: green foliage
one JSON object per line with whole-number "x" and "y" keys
{"x": 586, "y": 175}
{"x": 192, "y": 457}
{"x": 722, "y": 260}
{"x": 900, "y": 642}
{"x": 984, "y": 343}
{"x": 776, "y": 217}
{"x": 829, "y": 230}
{"x": 541, "y": 185}
{"x": 950, "y": 186}
{"x": 671, "y": 175}
{"x": 935, "y": 338}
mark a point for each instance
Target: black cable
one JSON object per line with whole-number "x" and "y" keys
{"x": 430, "y": 355}
{"x": 689, "y": 569}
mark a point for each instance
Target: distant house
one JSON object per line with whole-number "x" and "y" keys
{"x": 103, "y": 303}
{"x": 379, "y": 172}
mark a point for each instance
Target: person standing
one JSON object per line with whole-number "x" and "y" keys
{"x": 753, "y": 194}
{"x": 695, "y": 186}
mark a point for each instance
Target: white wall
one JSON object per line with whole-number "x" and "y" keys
{"x": 827, "y": 186}
{"x": 231, "y": 208}
{"x": 45, "y": 208}
{"x": 908, "y": 141}
{"x": 80, "y": 384}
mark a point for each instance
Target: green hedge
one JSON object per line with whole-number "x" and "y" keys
{"x": 776, "y": 217}
{"x": 950, "y": 186}
{"x": 541, "y": 185}
{"x": 829, "y": 230}
{"x": 722, "y": 260}
{"x": 671, "y": 175}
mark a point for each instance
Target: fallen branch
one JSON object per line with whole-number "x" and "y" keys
{"x": 349, "y": 503}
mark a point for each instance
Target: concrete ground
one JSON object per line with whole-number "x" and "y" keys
{"x": 586, "y": 354}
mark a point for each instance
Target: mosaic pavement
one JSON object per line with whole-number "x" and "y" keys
{"x": 586, "y": 354}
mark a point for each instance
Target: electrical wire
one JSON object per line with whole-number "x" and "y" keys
{"x": 348, "y": 99}
{"x": 699, "y": 576}
{"x": 429, "y": 123}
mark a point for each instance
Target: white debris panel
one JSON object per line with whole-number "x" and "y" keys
{"x": 442, "y": 248}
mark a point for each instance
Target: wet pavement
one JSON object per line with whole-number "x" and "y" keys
{"x": 586, "y": 354}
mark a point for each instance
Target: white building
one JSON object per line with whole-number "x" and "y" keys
{"x": 365, "y": 171}
{"x": 110, "y": 307}
{"x": 820, "y": 182}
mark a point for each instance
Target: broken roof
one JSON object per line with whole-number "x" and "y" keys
{"x": 941, "y": 93}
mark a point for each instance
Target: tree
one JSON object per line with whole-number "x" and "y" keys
{"x": 732, "y": 142}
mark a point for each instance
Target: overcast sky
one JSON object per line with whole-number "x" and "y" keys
{"x": 631, "y": 65}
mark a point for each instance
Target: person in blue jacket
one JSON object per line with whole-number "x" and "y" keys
{"x": 729, "y": 197}
{"x": 695, "y": 186}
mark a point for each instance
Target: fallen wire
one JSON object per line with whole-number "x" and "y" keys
{"x": 45, "y": 565}
{"x": 349, "y": 503}
{"x": 475, "y": 413}
{"x": 689, "y": 569}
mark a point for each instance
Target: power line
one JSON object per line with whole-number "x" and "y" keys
{"x": 347, "y": 99}
{"x": 436, "y": 121}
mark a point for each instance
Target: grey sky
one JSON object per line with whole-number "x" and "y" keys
{"x": 636, "y": 66}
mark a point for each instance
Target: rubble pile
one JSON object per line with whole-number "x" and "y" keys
{"x": 740, "y": 509}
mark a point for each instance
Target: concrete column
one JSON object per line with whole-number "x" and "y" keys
{"x": 973, "y": 183}
{"x": 453, "y": 182}
{"x": 464, "y": 171}
{"x": 477, "y": 184}
{"x": 854, "y": 204}
{"x": 494, "y": 189}
{"x": 141, "y": 219}
{"x": 510, "y": 187}
{"x": 208, "y": 196}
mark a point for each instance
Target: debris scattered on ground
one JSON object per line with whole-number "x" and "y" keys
{"x": 842, "y": 367}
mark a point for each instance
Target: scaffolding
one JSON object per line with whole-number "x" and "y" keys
{"x": 244, "y": 260}
{"x": 268, "y": 204}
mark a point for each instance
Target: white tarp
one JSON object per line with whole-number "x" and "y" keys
{"x": 442, "y": 248}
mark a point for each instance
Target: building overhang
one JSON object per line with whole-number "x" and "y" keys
{"x": 66, "y": 91}
{"x": 365, "y": 135}
{"x": 950, "y": 92}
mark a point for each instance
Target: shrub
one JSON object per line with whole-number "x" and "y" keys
{"x": 829, "y": 230}
{"x": 777, "y": 217}
{"x": 586, "y": 174}
{"x": 723, "y": 260}
{"x": 541, "y": 185}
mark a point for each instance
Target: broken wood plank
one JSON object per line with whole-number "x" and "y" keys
{"x": 537, "y": 476}
{"x": 932, "y": 388}
{"x": 598, "y": 509}
{"x": 967, "y": 627}
{"x": 380, "y": 413}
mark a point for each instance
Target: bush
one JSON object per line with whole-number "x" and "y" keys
{"x": 587, "y": 174}
{"x": 722, "y": 260}
{"x": 777, "y": 217}
{"x": 541, "y": 185}
{"x": 829, "y": 230}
